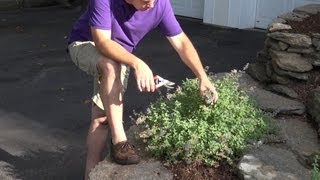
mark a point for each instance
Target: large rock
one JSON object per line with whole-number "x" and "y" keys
{"x": 281, "y": 72}
{"x": 308, "y": 9}
{"x": 267, "y": 100}
{"x": 314, "y": 58}
{"x": 278, "y": 27}
{"x": 313, "y": 104}
{"x": 301, "y": 50}
{"x": 107, "y": 170}
{"x": 316, "y": 35}
{"x": 258, "y": 72}
{"x": 272, "y": 163}
{"x": 290, "y": 61}
{"x": 273, "y": 44}
{"x": 276, "y": 78}
{"x": 278, "y": 20}
{"x": 316, "y": 43}
{"x": 148, "y": 168}
{"x": 295, "y": 40}
{"x": 283, "y": 46}
{"x": 300, "y": 136}
{"x": 263, "y": 56}
{"x": 291, "y": 16}
{"x": 283, "y": 90}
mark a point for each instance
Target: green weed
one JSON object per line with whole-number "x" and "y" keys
{"x": 184, "y": 128}
{"x": 315, "y": 173}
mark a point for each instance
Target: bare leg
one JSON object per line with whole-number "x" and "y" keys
{"x": 96, "y": 139}
{"x": 111, "y": 96}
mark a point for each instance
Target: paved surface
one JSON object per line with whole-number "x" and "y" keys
{"x": 43, "y": 117}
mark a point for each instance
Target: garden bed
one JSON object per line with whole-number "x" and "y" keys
{"x": 308, "y": 26}
{"x": 223, "y": 171}
{"x": 199, "y": 141}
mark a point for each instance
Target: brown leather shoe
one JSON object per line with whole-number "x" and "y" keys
{"x": 124, "y": 153}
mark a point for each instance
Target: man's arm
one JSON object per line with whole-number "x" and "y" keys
{"x": 190, "y": 57}
{"x": 114, "y": 51}
{"x": 188, "y": 54}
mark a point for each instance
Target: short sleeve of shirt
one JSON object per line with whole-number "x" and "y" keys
{"x": 100, "y": 14}
{"x": 169, "y": 25}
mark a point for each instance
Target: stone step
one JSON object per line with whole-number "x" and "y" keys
{"x": 274, "y": 163}
{"x": 148, "y": 168}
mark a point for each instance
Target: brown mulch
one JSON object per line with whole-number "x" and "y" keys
{"x": 198, "y": 171}
{"x": 303, "y": 88}
{"x": 308, "y": 26}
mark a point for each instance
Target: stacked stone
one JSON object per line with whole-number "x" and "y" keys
{"x": 288, "y": 56}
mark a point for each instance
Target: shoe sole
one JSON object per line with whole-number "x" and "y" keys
{"x": 124, "y": 162}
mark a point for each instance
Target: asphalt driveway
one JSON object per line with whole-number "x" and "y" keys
{"x": 43, "y": 111}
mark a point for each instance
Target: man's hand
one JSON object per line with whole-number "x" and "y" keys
{"x": 208, "y": 91}
{"x": 144, "y": 77}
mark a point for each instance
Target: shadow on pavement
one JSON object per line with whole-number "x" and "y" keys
{"x": 64, "y": 164}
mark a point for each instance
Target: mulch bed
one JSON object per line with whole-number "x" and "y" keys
{"x": 308, "y": 26}
{"x": 303, "y": 88}
{"x": 197, "y": 171}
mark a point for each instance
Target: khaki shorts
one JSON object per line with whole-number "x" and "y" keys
{"x": 85, "y": 56}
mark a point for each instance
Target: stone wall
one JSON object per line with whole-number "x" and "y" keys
{"x": 287, "y": 56}
{"x": 291, "y": 57}
{"x": 289, "y": 65}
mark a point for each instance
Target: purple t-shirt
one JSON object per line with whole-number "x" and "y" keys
{"x": 128, "y": 26}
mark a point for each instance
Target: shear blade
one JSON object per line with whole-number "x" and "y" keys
{"x": 169, "y": 87}
{"x": 163, "y": 82}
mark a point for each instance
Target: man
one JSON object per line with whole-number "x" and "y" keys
{"x": 101, "y": 43}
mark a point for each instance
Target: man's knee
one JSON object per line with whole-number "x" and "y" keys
{"x": 109, "y": 68}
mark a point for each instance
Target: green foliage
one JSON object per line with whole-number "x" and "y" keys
{"x": 315, "y": 174}
{"x": 185, "y": 128}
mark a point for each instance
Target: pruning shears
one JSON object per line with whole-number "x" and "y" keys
{"x": 159, "y": 81}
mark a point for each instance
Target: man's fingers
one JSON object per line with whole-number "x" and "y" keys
{"x": 210, "y": 96}
{"x": 144, "y": 77}
{"x": 143, "y": 85}
{"x": 148, "y": 86}
{"x": 139, "y": 85}
{"x": 152, "y": 85}
{"x": 215, "y": 97}
{"x": 202, "y": 92}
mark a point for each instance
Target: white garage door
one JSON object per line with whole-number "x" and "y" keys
{"x": 188, "y": 8}
{"x": 270, "y": 9}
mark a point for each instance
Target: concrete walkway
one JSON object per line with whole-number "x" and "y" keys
{"x": 43, "y": 114}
